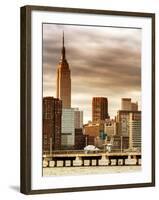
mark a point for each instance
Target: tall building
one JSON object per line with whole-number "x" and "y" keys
{"x": 135, "y": 130}
{"x": 52, "y": 112}
{"x": 126, "y": 104}
{"x": 64, "y": 80}
{"x": 80, "y": 139}
{"x": 78, "y": 118}
{"x": 68, "y": 128}
{"x": 134, "y": 106}
{"x": 72, "y": 122}
{"x": 110, "y": 127}
{"x": 123, "y": 118}
{"x": 123, "y": 122}
{"x": 99, "y": 109}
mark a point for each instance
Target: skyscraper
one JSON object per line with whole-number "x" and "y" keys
{"x": 80, "y": 139}
{"x": 64, "y": 79}
{"x": 99, "y": 109}
{"x": 134, "y": 106}
{"x": 126, "y": 104}
{"x": 123, "y": 121}
{"x": 135, "y": 130}
{"x": 68, "y": 128}
{"x": 78, "y": 118}
{"x": 52, "y": 112}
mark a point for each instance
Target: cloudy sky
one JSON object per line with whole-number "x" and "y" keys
{"x": 104, "y": 61}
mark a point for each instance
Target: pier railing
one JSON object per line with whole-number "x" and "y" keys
{"x": 71, "y": 158}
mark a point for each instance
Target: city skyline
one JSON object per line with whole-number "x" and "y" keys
{"x": 108, "y": 66}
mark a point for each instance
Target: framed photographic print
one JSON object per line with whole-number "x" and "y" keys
{"x": 87, "y": 99}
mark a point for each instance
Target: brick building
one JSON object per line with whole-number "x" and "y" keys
{"x": 99, "y": 109}
{"x": 52, "y": 112}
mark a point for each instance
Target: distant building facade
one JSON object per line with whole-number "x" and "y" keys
{"x": 78, "y": 118}
{"x": 110, "y": 127}
{"x": 95, "y": 134}
{"x": 90, "y": 140}
{"x": 91, "y": 129}
{"x": 127, "y": 105}
{"x": 129, "y": 125}
{"x": 119, "y": 143}
{"x": 72, "y": 125}
{"x": 80, "y": 139}
{"x": 99, "y": 109}
{"x": 52, "y": 112}
{"x": 134, "y": 106}
{"x": 123, "y": 121}
{"x": 68, "y": 128}
{"x": 135, "y": 130}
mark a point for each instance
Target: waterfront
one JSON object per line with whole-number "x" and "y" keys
{"x": 86, "y": 138}
{"x": 64, "y": 171}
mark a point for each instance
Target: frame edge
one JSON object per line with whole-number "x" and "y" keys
{"x": 153, "y": 101}
{"x": 25, "y": 106}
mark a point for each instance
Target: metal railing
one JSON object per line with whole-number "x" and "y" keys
{"x": 67, "y": 152}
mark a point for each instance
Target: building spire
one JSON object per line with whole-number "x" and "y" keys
{"x": 63, "y": 88}
{"x": 63, "y": 39}
{"x": 63, "y": 47}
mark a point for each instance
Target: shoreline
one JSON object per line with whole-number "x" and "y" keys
{"x": 66, "y": 171}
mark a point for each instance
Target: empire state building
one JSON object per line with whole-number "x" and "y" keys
{"x": 64, "y": 79}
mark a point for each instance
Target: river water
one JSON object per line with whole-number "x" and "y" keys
{"x": 64, "y": 171}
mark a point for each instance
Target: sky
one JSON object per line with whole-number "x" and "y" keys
{"x": 104, "y": 62}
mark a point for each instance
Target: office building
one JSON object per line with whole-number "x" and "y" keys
{"x": 78, "y": 118}
{"x": 135, "y": 130}
{"x": 99, "y": 109}
{"x": 90, "y": 140}
{"x": 52, "y": 112}
{"x": 123, "y": 121}
{"x": 110, "y": 127}
{"x": 126, "y": 104}
{"x": 134, "y": 106}
{"x": 80, "y": 139}
{"x": 93, "y": 129}
{"x": 68, "y": 128}
{"x": 119, "y": 143}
